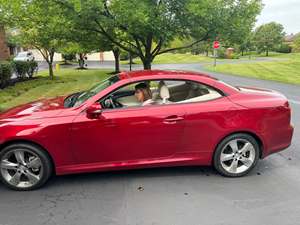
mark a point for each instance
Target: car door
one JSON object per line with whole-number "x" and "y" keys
{"x": 126, "y": 134}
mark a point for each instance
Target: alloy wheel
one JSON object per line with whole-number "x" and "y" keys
{"x": 237, "y": 156}
{"x": 21, "y": 168}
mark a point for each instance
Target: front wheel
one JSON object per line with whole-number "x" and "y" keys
{"x": 24, "y": 167}
{"x": 236, "y": 155}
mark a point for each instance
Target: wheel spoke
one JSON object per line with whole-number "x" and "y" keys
{"x": 246, "y": 161}
{"x": 5, "y": 164}
{"x": 247, "y": 147}
{"x": 233, "y": 145}
{"x": 15, "y": 180}
{"x": 233, "y": 167}
{"x": 226, "y": 157}
{"x": 20, "y": 157}
{"x": 34, "y": 163}
{"x": 32, "y": 177}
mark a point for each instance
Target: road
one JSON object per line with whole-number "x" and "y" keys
{"x": 269, "y": 195}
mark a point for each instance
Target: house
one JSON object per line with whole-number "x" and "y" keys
{"x": 289, "y": 39}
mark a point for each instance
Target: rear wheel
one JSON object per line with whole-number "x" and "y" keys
{"x": 24, "y": 167}
{"x": 236, "y": 155}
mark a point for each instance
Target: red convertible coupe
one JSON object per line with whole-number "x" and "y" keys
{"x": 143, "y": 119}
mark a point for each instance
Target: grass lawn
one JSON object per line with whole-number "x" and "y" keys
{"x": 175, "y": 58}
{"x": 66, "y": 81}
{"x": 287, "y": 71}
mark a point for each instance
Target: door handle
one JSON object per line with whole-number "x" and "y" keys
{"x": 173, "y": 119}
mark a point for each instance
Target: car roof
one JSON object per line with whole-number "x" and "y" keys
{"x": 153, "y": 73}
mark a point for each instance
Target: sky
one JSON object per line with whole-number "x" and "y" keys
{"x": 286, "y": 12}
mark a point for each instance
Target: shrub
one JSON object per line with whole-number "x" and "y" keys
{"x": 235, "y": 56}
{"x": 32, "y": 67}
{"x": 69, "y": 57}
{"x": 20, "y": 68}
{"x": 5, "y": 73}
{"x": 221, "y": 53}
{"x": 24, "y": 69}
{"x": 284, "y": 48}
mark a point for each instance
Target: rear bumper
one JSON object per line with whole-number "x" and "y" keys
{"x": 275, "y": 145}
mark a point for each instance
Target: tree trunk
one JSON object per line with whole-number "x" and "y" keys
{"x": 130, "y": 61}
{"x": 147, "y": 63}
{"x": 116, "y": 52}
{"x": 81, "y": 61}
{"x": 242, "y": 52}
{"x": 50, "y": 65}
{"x": 4, "y": 50}
{"x": 267, "y": 52}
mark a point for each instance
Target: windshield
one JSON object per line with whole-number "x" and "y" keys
{"x": 95, "y": 90}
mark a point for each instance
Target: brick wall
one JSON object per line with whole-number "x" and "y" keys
{"x": 4, "y": 50}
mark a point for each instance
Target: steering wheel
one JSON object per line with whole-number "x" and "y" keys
{"x": 110, "y": 102}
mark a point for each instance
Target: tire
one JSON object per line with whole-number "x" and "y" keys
{"x": 236, "y": 155}
{"x": 24, "y": 167}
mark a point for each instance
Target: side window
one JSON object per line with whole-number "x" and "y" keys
{"x": 131, "y": 96}
{"x": 159, "y": 92}
{"x": 190, "y": 91}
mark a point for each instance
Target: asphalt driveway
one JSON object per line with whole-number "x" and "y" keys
{"x": 269, "y": 195}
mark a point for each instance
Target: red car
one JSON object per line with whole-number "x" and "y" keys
{"x": 191, "y": 119}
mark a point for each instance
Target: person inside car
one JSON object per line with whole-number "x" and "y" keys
{"x": 143, "y": 94}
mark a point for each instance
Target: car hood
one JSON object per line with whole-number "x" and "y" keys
{"x": 44, "y": 108}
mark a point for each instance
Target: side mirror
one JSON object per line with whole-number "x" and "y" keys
{"x": 94, "y": 111}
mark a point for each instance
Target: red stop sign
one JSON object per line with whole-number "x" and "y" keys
{"x": 216, "y": 44}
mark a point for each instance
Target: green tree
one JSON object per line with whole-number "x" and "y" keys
{"x": 80, "y": 15}
{"x": 268, "y": 36}
{"x": 147, "y": 27}
{"x": 247, "y": 44}
{"x": 39, "y": 24}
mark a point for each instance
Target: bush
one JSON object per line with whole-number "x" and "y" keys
{"x": 284, "y": 48}
{"x": 235, "y": 56}
{"x": 69, "y": 57}
{"x": 33, "y": 66}
{"x": 24, "y": 69}
{"x": 5, "y": 73}
{"x": 221, "y": 53}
